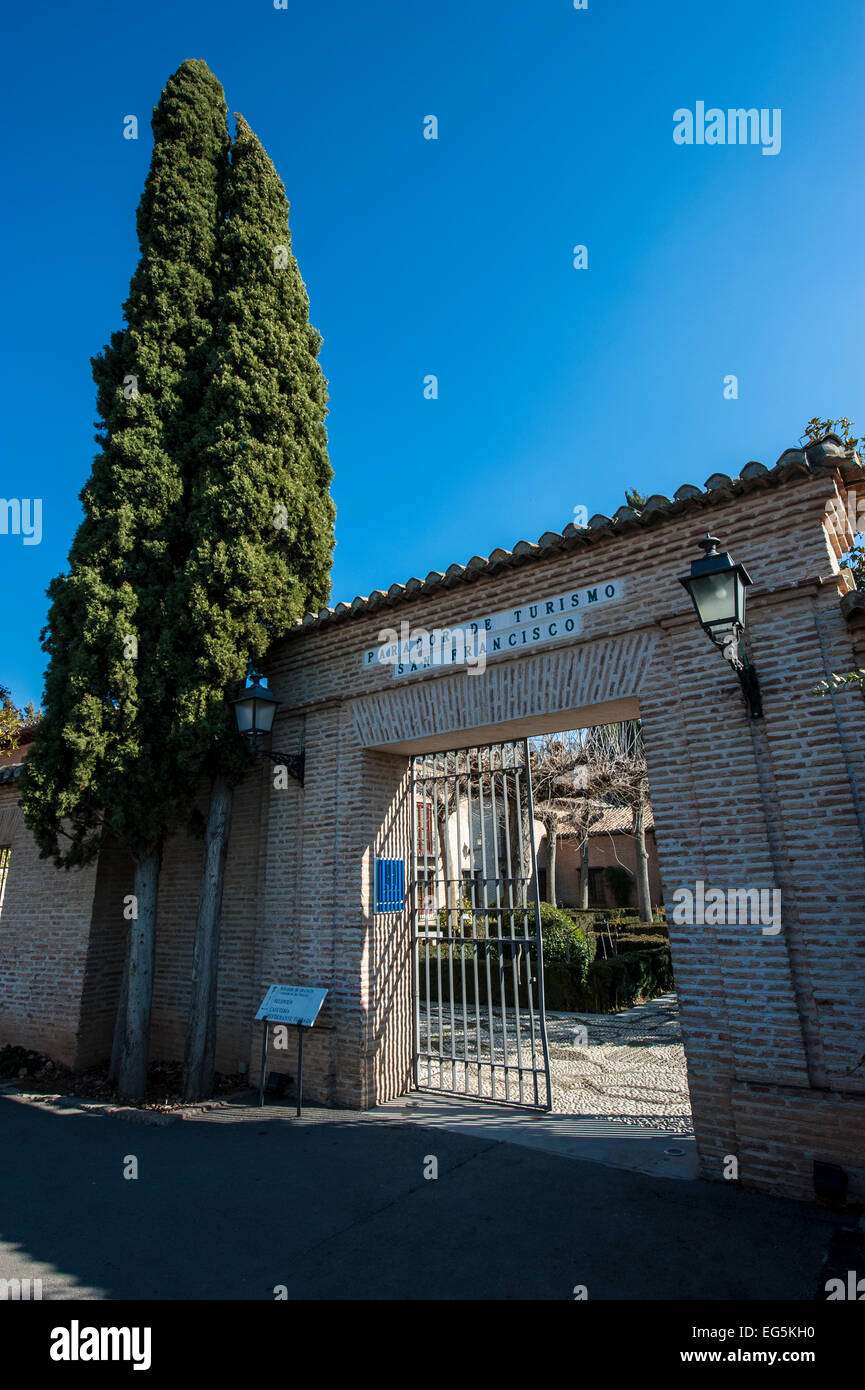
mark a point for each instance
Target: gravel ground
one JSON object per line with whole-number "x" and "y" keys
{"x": 628, "y": 1066}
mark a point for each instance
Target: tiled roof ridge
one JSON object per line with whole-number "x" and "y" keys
{"x": 827, "y": 455}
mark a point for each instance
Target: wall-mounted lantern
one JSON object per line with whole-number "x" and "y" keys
{"x": 717, "y": 588}
{"x": 254, "y": 710}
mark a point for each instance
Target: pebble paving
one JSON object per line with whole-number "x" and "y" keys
{"x": 627, "y": 1067}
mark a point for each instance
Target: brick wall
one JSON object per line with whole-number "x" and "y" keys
{"x": 106, "y": 949}
{"x": 44, "y": 927}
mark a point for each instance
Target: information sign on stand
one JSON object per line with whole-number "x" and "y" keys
{"x": 297, "y": 1005}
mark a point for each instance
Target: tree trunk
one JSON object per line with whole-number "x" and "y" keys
{"x": 584, "y": 875}
{"x": 443, "y": 858}
{"x": 132, "y": 1078}
{"x": 120, "y": 1020}
{"x": 644, "y": 897}
{"x": 201, "y": 1029}
{"x": 552, "y": 844}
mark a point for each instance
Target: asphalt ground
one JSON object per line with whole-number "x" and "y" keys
{"x": 240, "y": 1203}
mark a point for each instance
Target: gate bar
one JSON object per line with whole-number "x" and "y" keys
{"x": 540, "y": 948}
{"x": 418, "y": 811}
{"x": 475, "y": 906}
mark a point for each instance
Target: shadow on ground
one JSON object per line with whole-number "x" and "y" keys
{"x": 335, "y": 1205}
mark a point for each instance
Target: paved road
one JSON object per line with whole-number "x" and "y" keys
{"x": 336, "y": 1205}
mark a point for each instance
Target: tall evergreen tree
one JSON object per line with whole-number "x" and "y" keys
{"x": 259, "y": 521}
{"x": 107, "y": 759}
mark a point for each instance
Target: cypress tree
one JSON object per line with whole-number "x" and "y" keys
{"x": 106, "y": 759}
{"x": 259, "y": 520}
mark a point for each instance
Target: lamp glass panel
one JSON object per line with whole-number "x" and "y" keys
{"x": 264, "y": 712}
{"x": 714, "y": 598}
{"x": 740, "y": 600}
{"x": 243, "y": 714}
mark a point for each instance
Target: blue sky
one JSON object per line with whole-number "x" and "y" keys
{"x": 558, "y": 387}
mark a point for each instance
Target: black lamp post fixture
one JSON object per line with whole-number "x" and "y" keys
{"x": 254, "y": 709}
{"x": 717, "y": 588}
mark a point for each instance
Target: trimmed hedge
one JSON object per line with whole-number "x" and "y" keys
{"x": 623, "y": 919}
{"x": 640, "y": 941}
{"x": 576, "y": 978}
{"x": 607, "y": 985}
{"x": 588, "y": 920}
{"x": 624, "y": 980}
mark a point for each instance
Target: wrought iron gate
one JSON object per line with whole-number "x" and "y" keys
{"x": 479, "y": 1026}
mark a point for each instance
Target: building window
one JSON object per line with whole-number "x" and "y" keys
{"x": 426, "y": 848}
{"x": 5, "y": 856}
{"x": 426, "y": 840}
{"x": 542, "y": 884}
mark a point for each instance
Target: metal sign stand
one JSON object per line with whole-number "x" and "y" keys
{"x": 289, "y": 1006}
{"x": 263, "y": 1063}
{"x": 300, "y": 1027}
{"x": 299, "y": 1065}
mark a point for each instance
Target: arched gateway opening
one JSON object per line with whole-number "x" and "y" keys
{"x": 465, "y": 1012}
{"x": 505, "y": 836}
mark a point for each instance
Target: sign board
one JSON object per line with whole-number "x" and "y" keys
{"x": 291, "y": 1004}
{"x": 513, "y": 629}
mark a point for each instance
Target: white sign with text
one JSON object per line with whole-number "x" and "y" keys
{"x": 292, "y": 1004}
{"x": 509, "y": 631}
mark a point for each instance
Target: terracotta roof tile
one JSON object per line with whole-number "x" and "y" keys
{"x": 827, "y": 457}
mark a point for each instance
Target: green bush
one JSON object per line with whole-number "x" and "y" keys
{"x": 466, "y": 921}
{"x": 565, "y": 991}
{"x": 646, "y": 930}
{"x": 448, "y": 950}
{"x": 564, "y": 942}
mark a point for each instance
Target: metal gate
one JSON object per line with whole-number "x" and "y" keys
{"x": 479, "y": 1026}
